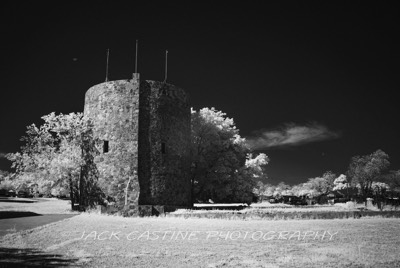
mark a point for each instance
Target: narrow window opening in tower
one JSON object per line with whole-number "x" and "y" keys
{"x": 163, "y": 149}
{"x": 105, "y": 147}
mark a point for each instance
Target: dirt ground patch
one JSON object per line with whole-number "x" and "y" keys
{"x": 109, "y": 241}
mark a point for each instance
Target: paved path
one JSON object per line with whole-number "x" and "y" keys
{"x": 12, "y": 224}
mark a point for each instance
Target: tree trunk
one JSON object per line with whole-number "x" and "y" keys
{"x": 191, "y": 192}
{"x": 71, "y": 192}
{"x": 126, "y": 191}
{"x": 193, "y": 170}
{"x": 81, "y": 191}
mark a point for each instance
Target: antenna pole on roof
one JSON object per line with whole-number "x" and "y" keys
{"x": 108, "y": 54}
{"x": 136, "y": 56}
{"x": 166, "y": 65}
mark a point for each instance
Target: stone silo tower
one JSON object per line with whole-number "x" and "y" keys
{"x": 144, "y": 129}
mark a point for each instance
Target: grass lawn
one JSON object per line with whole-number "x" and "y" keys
{"x": 93, "y": 240}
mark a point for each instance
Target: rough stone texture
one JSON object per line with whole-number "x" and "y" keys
{"x": 147, "y": 125}
{"x": 114, "y": 108}
{"x": 144, "y": 146}
{"x": 169, "y": 183}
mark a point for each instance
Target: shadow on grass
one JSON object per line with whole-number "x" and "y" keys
{"x": 17, "y": 214}
{"x": 17, "y": 200}
{"x": 14, "y": 257}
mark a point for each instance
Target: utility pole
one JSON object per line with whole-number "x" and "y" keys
{"x": 136, "y": 56}
{"x": 166, "y": 65}
{"x": 108, "y": 54}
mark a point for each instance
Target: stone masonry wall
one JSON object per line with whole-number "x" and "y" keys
{"x": 147, "y": 127}
{"x": 114, "y": 108}
{"x": 170, "y": 146}
{"x": 144, "y": 146}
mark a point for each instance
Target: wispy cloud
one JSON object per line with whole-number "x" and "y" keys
{"x": 2, "y": 155}
{"x": 291, "y": 135}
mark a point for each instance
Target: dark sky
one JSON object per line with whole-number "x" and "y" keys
{"x": 310, "y": 84}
